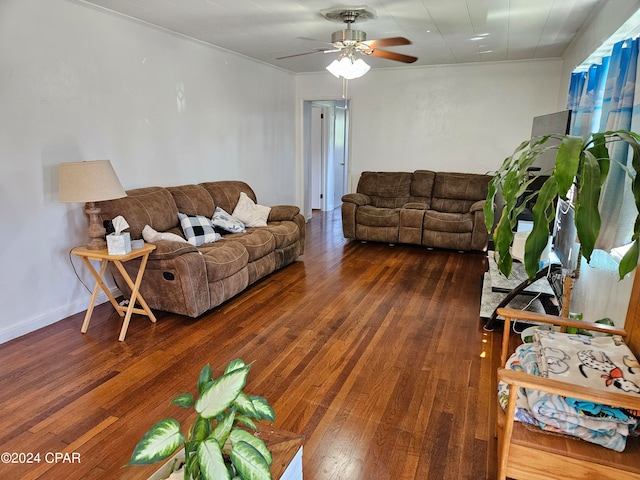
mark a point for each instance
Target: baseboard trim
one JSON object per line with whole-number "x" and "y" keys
{"x": 32, "y": 324}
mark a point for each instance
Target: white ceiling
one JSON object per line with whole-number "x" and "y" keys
{"x": 442, "y": 31}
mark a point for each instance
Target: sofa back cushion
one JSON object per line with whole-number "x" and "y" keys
{"x": 226, "y": 193}
{"x": 456, "y": 192}
{"x": 386, "y": 189}
{"x": 422, "y": 186}
{"x": 153, "y": 206}
{"x": 193, "y": 200}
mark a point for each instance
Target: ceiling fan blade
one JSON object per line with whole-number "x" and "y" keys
{"x": 317, "y": 50}
{"x": 388, "y": 42}
{"x": 398, "y": 57}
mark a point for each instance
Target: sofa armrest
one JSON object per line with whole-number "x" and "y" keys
{"x": 477, "y": 206}
{"x": 359, "y": 199}
{"x": 281, "y": 213}
{"x": 166, "y": 250}
{"x": 416, "y": 206}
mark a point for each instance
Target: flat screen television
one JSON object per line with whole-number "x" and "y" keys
{"x": 563, "y": 230}
{"x": 552, "y": 123}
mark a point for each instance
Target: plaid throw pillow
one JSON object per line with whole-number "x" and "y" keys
{"x": 197, "y": 229}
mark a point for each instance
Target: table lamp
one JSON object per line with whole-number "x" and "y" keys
{"x": 89, "y": 182}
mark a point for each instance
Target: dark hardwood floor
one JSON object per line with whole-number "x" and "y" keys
{"x": 375, "y": 353}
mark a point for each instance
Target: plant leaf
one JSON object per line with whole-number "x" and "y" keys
{"x": 502, "y": 238}
{"x": 245, "y": 406}
{"x": 221, "y": 393}
{"x": 224, "y": 426}
{"x": 587, "y": 218}
{"x": 240, "y": 435}
{"x": 249, "y": 463}
{"x": 247, "y": 422}
{"x": 601, "y": 153}
{"x": 158, "y": 443}
{"x": 567, "y": 162}
{"x": 234, "y": 365}
{"x": 539, "y": 237}
{"x": 192, "y": 468}
{"x": 630, "y": 259}
{"x": 201, "y": 429}
{"x": 489, "y": 203}
{"x": 211, "y": 461}
{"x": 264, "y": 408}
{"x": 205, "y": 377}
{"x": 184, "y": 400}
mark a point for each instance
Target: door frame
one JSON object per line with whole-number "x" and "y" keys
{"x": 328, "y": 169}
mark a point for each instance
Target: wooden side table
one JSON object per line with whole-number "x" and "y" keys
{"x": 104, "y": 258}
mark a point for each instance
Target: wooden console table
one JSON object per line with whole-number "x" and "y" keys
{"x": 104, "y": 258}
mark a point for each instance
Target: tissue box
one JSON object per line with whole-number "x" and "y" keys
{"x": 119, "y": 244}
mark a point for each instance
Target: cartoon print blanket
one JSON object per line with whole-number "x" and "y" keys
{"x": 599, "y": 362}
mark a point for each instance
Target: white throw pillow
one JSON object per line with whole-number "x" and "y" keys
{"x": 224, "y": 221}
{"x": 249, "y": 213}
{"x": 151, "y": 236}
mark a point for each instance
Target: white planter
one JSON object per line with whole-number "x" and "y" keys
{"x": 286, "y": 448}
{"x": 164, "y": 472}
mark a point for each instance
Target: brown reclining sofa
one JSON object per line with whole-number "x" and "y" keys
{"x": 190, "y": 280}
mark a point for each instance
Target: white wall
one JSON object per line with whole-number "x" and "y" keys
{"x": 448, "y": 118}
{"x": 81, "y": 84}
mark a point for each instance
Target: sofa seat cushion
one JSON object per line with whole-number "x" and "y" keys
{"x": 259, "y": 242}
{"x": 448, "y": 222}
{"x": 378, "y": 217}
{"x": 223, "y": 259}
{"x": 285, "y": 233}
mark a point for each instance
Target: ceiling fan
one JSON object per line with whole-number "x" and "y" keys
{"x": 349, "y": 42}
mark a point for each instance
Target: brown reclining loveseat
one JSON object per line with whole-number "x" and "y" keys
{"x": 433, "y": 209}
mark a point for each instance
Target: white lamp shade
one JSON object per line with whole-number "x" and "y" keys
{"x": 90, "y": 181}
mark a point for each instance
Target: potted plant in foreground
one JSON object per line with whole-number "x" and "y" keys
{"x": 219, "y": 445}
{"x": 581, "y": 164}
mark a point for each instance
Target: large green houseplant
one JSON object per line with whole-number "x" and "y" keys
{"x": 579, "y": 164}
{"x": 219, "y": 445}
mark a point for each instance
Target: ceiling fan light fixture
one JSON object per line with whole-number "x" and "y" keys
{"x": 348, "y": 68}
{"x": 334, "y": 68}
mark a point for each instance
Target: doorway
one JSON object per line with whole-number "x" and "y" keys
{"x": 326, "y": 153}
